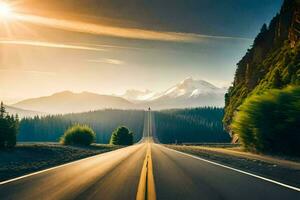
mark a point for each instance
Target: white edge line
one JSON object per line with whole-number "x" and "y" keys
{"x": 59, "y": 166}
{"x": 237, "y": 170}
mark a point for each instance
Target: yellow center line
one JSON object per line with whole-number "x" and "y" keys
{"x": 146, "y": 187}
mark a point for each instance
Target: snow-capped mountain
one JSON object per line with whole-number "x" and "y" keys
{"x": 187, "y": 93}
{"x": 190, "y": 88}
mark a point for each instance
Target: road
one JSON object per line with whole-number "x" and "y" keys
{"x": 117, "y": 175}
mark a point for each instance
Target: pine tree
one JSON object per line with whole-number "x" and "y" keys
{"x": 8, "y": 128}
{"x": 2, "y": 110}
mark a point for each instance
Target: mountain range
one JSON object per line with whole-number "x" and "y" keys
{"x": 187, "y": 93}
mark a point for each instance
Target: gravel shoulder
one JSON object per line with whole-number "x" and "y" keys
{"x": 283, "y": 169}
{"x": 32, "y": 157}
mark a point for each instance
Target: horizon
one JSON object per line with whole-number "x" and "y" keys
{"x": 12, "y": 102}
{"x": 115, "y": 53}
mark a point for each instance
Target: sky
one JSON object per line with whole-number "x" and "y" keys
{"x": 109, "y": 46}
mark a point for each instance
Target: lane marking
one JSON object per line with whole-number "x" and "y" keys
{"x": 151, "y": 184}
{"x": 231, "y": 168}
{"x": 146, "y": 187}
{"x": 63, "y": 165}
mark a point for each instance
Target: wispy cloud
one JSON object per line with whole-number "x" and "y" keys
{"x": 114, "y": 31}
{"x": 49, "y": 45}
{"x": 37, "y": 72}
{"x": 107, "y": 61}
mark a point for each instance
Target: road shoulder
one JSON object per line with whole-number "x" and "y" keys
{"x": 33, "y": 157}
{"x": 285, "y": 171}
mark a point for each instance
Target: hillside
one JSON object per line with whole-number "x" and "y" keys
{"x": 69, "y": 102}
{"x": 273, "y": 61}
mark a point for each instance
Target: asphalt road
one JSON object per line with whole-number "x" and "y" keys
{"x": 116, "y": 175}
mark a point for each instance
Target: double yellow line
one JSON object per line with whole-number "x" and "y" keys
{"x": 146, "y": 187}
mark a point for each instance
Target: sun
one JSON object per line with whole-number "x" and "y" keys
{"x": 5, "y": 10}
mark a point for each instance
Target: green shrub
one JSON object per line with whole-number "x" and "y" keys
{"x": 270, "y": 122}
{"x": 78, "y": 135}
{"x": 121, "y": 136}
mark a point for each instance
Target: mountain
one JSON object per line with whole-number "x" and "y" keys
{"x": 273, "y": 61}
{"x": 22, "y": 113}
{"x": 187, "y": 93}
{"x": 69, "y": 102}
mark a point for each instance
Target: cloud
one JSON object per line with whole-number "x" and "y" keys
{"x": 114, "y": 31}
{"x": 108, "y": 61}
{"x": 49, "y": 45}
{"x": 48, "y": 73}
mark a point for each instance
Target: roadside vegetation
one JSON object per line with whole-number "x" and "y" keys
{"x": 270, "y": 122}
{"x": 121, "y": 136}
{"x": 78, "y": 135}
{"x": 9, "y": 126}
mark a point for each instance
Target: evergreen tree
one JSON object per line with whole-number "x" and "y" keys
{"x": 2, "y": 110}
{"x": 8, "y": 128}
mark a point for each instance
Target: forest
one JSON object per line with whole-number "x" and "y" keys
{"x": 191, "y": 125}
{"x": 103, "y": 122}
{"x": 181, "y": 125}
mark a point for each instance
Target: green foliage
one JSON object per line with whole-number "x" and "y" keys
{"x": 121, "y": 136}
{"x": 78, "y": 135}
{"x": 190, "y": 125}
{"x": 9, "y": 125}
{"x": 270, "y": 122}
{"x": 52, "y": 127}
{"x": 272, "y": 62}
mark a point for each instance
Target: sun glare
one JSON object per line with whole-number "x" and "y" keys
{"x": 5, "y": 10}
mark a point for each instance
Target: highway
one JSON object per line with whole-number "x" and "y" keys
{"x": 118, "y": 175}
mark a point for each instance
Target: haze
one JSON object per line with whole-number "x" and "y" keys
{"x": 115, "y": 46}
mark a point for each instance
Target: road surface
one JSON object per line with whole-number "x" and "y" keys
{"x": 116, "y": 175}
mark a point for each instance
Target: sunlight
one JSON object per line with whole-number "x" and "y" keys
{"x": 5, "y": 10}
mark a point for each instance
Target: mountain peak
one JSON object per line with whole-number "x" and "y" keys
{"x": 190, "y": 83}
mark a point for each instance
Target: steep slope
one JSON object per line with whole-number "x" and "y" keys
{"x": 68, "y": 102}
{"x": 272, "y": 62}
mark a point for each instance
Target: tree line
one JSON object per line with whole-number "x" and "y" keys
{"x": 193, "y": 125}
{"x": 103, "y": 122}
